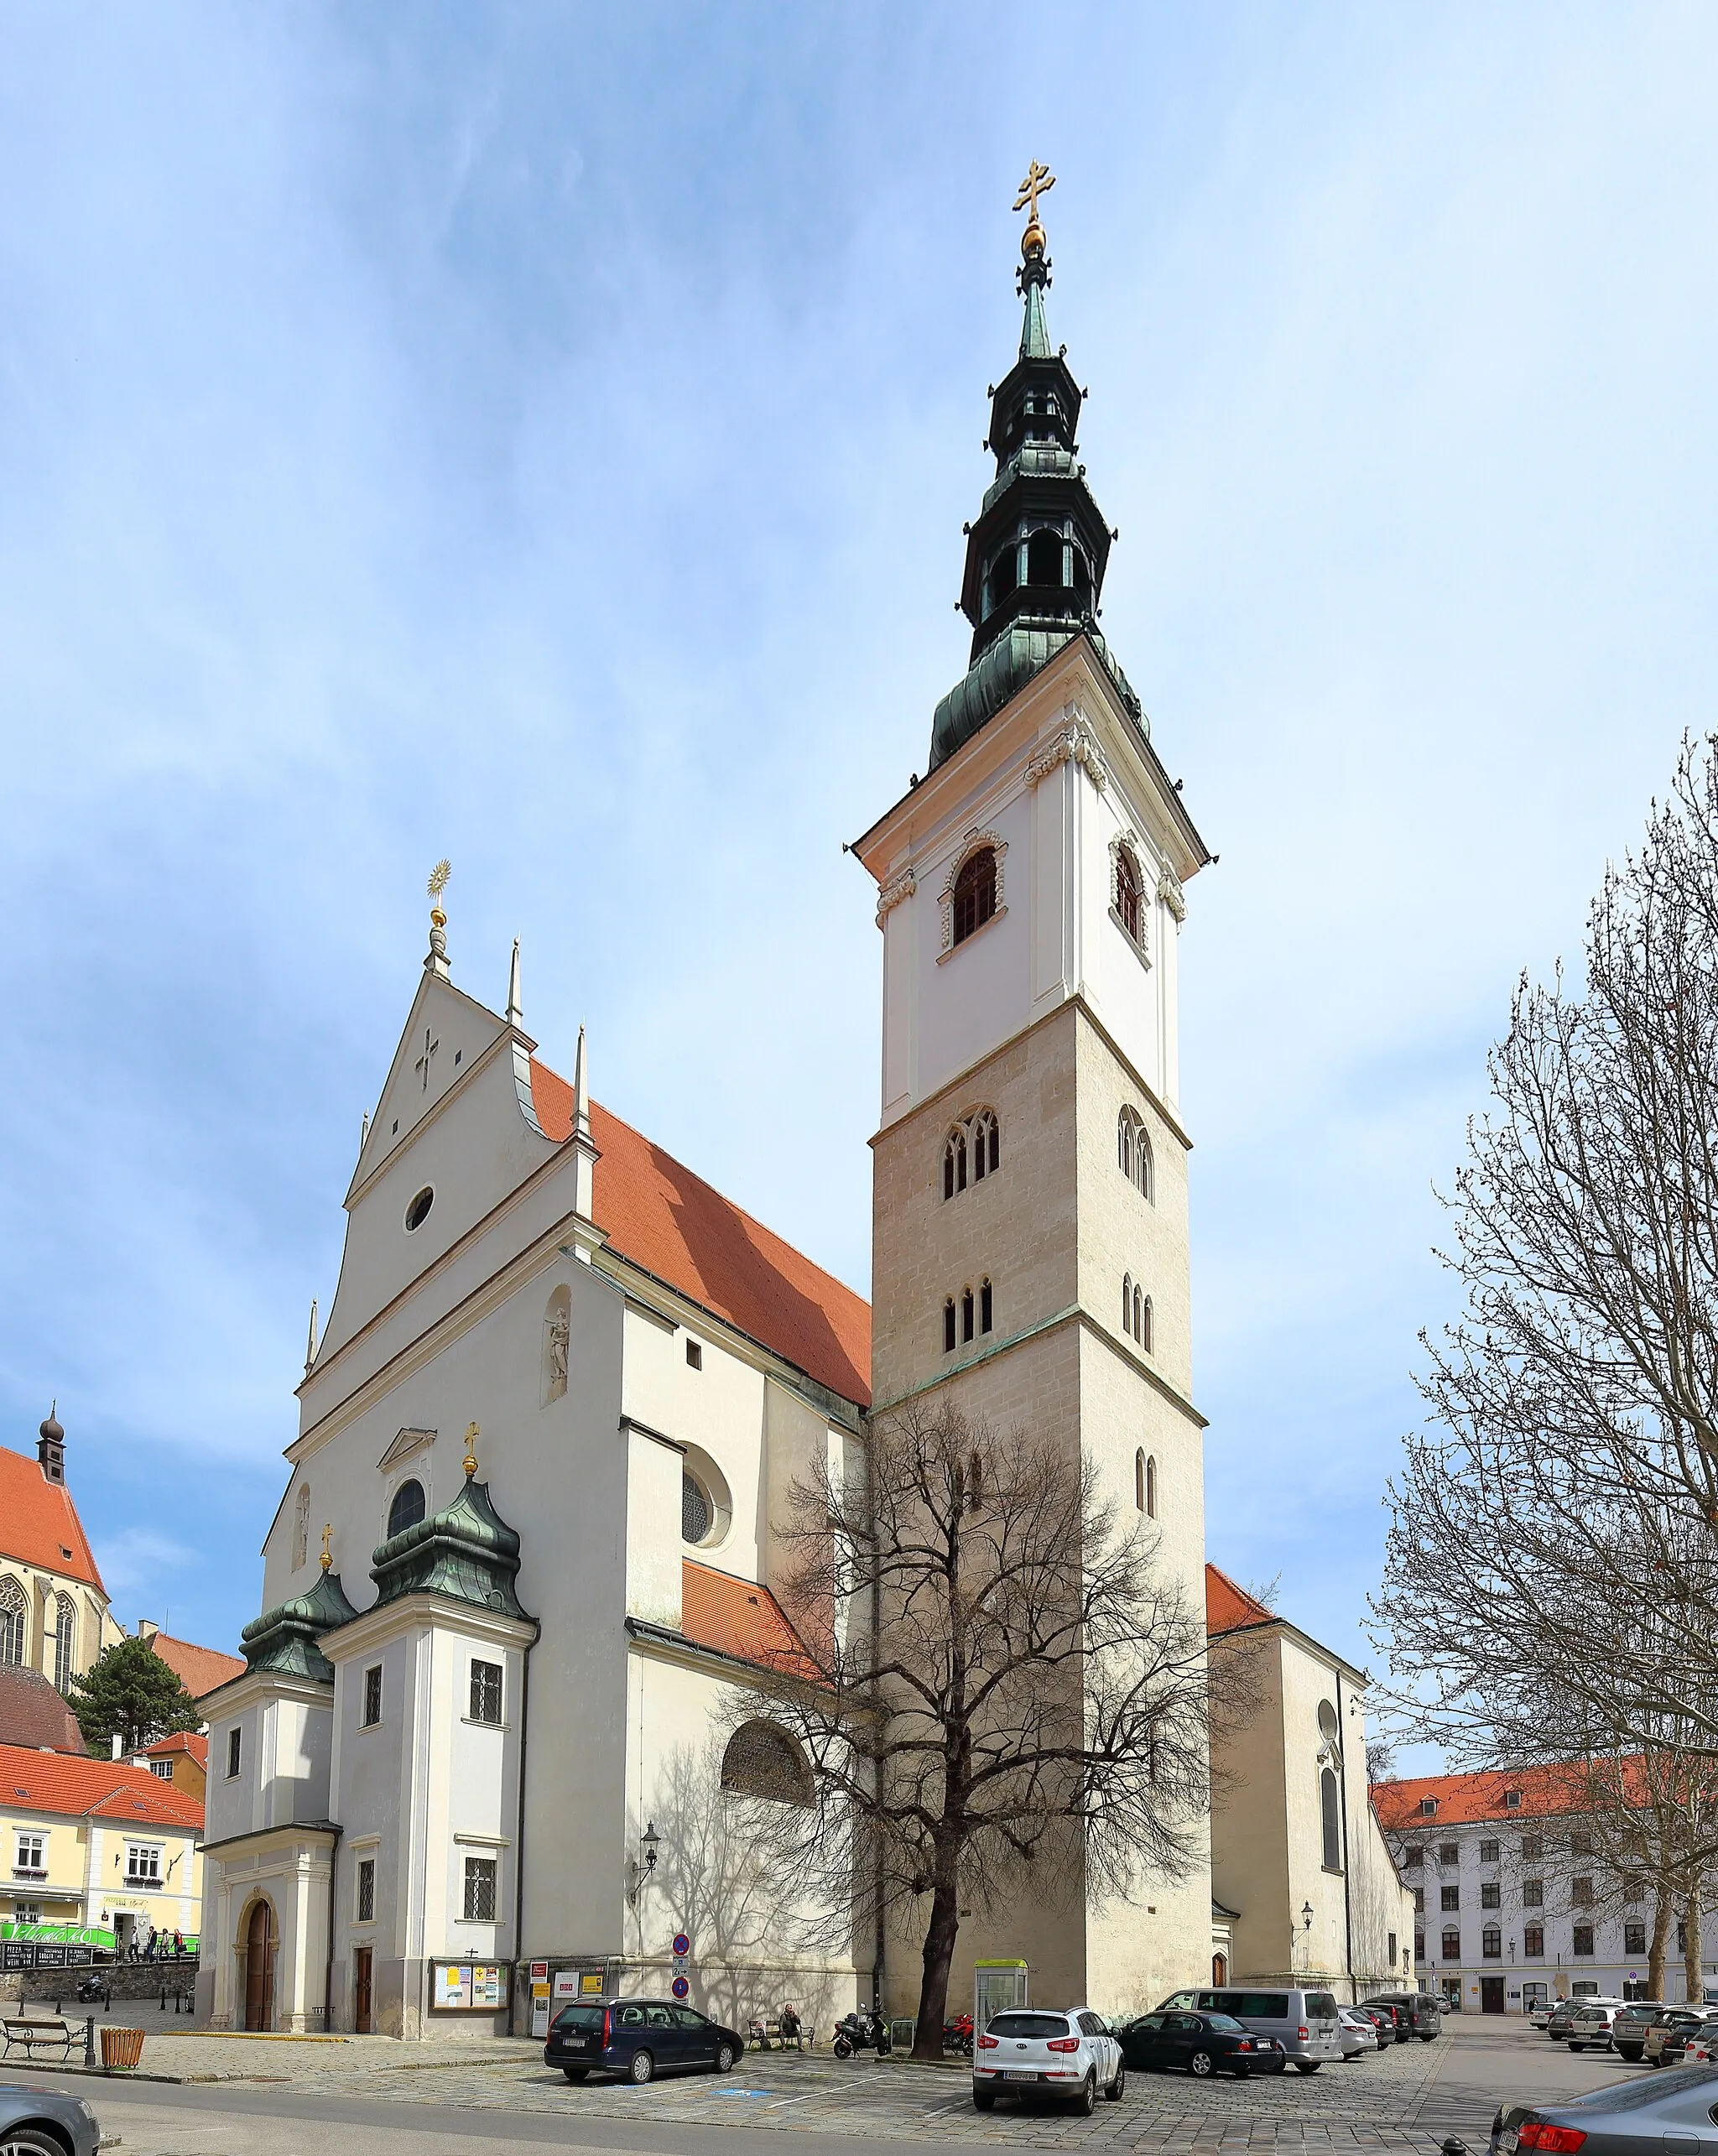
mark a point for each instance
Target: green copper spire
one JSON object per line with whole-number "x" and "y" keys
{"x": 1036, "y": 557}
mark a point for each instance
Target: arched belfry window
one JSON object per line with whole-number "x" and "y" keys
{"x": 1127, "y": 1302}
{"x": 1151, "y": 1487}
{"x": 971, "y": 1150}
{"x": 407, "y": 1508}
{"x": 975, "y": 896}
{"x": 948, "y": 1326}
{"x": 1133, "y": 1151}
{"x": 14, "y": 1620}
{"x": 762, "y": 1760}
{"x": 1144, "y": 1332}
{"x": 1139, "y": 1479}
{"x": 1043, "y": 558}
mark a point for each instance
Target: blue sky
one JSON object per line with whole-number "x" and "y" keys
{"x": 541, "y": 435}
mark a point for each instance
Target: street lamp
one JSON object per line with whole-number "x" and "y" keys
{"x": 644, "y": 1864}
{"x": 1306, "y": 1916}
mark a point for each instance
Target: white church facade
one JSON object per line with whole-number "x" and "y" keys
{"x": 565, "y": 1386}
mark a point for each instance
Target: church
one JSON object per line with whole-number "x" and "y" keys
{"x": 477, "y": 1757}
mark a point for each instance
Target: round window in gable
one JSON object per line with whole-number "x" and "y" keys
{"x": 695, "y": 1509}
{"x": 706, "y": 1505}
{"x": 418, "y": 1210}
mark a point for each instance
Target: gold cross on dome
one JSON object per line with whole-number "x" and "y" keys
{"x": 1038, "y": 181}
{"x": 327, "y": 1536}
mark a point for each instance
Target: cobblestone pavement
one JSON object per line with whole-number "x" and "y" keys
{"x": 1369, "y": 2102}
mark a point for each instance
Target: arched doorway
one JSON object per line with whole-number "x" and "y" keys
{"x": 1220, "y": 1968}
{"x": 261, "y": 1940}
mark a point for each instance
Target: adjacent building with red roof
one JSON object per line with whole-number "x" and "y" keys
{"x": 55, "y": 1616}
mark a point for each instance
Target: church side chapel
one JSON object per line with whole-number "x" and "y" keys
{"x": 524, "y": 1558}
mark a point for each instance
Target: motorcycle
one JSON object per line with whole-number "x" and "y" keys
{"x": 92, "y": 1991}
{"x": 861, "y": 2031}
{"x": 957, "y": 2036}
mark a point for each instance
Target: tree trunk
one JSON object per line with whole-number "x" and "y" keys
{"x": 938, "y": 1953}
{"x": 1661, "y": 1938}
{"x": 1691, "y": 1947}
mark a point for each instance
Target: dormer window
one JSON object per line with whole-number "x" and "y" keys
{"x": 1429, "y": 1807}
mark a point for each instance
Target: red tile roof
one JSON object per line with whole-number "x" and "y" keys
{"x": 184, "y": 1740}
{"x": 1467, "y": 1799}
{"x": 200, "y": 1669}
{"x": 33, "y": 1714}
{"x": 79, "y": 1789}
{"x": 739, "y": 1618}
{"x": 38, "y": 1523}
{"x": 1228, "y": 1607}
{"x": 673, "y": 1225}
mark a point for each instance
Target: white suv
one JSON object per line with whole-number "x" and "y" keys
{"x": 1029, "y": 2050}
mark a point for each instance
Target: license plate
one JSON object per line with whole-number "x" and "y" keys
{"x": 1017, "y": 2076}
{"x": 1507, "y": 2141}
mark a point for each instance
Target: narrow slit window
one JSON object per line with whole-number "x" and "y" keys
{"x": 1139, "y": 1479}
{"x": 948, "y": 1326}
{"x": 1127, "y": 1302}
{"x": 966, "y": 1314}
{"x": 984, "y": 1305}
{"x": 1145, "y": 1334}
{"x": 1151, "y": 1487}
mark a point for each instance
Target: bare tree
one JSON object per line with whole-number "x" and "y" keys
{"x": 999, "y": 1692}
{"x": 1551, "y": 1591}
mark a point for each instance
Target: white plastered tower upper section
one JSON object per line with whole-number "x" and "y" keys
{"x": 1057, "y": 784}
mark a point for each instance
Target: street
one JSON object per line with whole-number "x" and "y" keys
{"x": 1410, "y": 2097}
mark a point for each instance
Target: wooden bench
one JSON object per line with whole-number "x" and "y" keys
{"x": 40, "y": 2036}
{"x": 770, "y": 2035}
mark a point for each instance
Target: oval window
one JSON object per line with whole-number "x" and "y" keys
{"x": 418, "y": 1210}
{"x": 696, "y": 1511}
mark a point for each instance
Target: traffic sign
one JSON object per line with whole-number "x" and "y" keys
{"x": 680, "y": 1987}
{"x": 683, "y": 1946}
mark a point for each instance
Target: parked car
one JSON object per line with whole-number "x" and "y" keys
{"x": 1628, "y": 2031}
{"x": 1539, "y": 2013}
{"x": 638, "y": 2037}
{"x": 1200, "y": 2044}
{"x": 1635, "y": 2117}
{"x": 1564, "y": 2011}
{"x": 1033, "y": 2052}
{"x": 43, "y": 2122}
{"x": 1304, "y": 2023}
{"x": 1667, "y": 2032}
{"x": 1416, "y": 2013}
{"x": 1358, "y": 2032}
{"x": 1590, "y": 2030}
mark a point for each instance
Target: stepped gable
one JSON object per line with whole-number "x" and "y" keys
{"x": 34, "y": 1715}
{"x": 673, "y": 1225}
{"x": 38, "y": 1523}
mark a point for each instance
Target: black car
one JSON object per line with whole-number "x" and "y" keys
{"x": 1203, "y": 2044}
{"x": 1383, "y": 2019}
{"x": 1416, "y": 2013}
{"x": 638, "y": 2037}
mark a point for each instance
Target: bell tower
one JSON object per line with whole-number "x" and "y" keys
{"x": 1030, "y": 1180}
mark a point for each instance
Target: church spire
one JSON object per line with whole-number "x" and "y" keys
{"x": 515, "y": 1013}
{"x": 1036, "y": 557}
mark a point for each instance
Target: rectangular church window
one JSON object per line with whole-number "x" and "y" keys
{"x": 373, "y": 1695}
{"x": 366, "y": 1890}
{"x": 486, "y": 1692}
{"x": 232, "y": 1752}
{"x": 480, "y": 1889}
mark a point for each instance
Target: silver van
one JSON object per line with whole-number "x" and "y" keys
{"x": 1305, "y": 2023}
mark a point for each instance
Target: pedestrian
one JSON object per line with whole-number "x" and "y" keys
{"x": 149, "y": 1948}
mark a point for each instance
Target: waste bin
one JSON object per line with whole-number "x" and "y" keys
{"x": 122, "y": 2047}
{"x": 902, "y": 2031}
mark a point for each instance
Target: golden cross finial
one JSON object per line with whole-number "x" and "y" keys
{"x": 1038, "y": 181}
{"x": 470, "y": 1461}
{"x": 327, "y": 1534}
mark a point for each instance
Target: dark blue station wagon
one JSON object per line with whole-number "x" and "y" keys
{"x": 638, "y": 2037}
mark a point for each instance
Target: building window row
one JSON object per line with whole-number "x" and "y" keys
{"x": 973, "y": 1313}
{"x": 1136, "y": 1311}
{"x": 972, "y": 1150}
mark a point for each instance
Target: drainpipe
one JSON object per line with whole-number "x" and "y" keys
{"x": 1347, "y": 1850}
{"x": 519, "y": 1836}
{"x": 333, "y": 1912}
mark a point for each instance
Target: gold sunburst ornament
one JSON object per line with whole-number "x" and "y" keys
{"x": 438, "y": 883}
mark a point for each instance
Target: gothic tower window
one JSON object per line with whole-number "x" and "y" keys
{"x": 1139, "y": 1314}
{"x": 954, "y": 1161}
{"x": 974, "y": 900}
{"x": 1151, "y": 1486}
{"x": 64, "y": 1641}
{"x": 407, "y": 1508}
{"x": 1127, "y": 1302}
{"x": 965, "y": 1314}
{"x": 987, "y": 1145}
{"x": 1144, "y": 1333}
{"x": 1331, "y": 1819}
{"x": 948, "y": 1326}
{"x": 984, "y": 1305}
{"x": 14, "y": 1619}
{"x": 1133, "y": 1151}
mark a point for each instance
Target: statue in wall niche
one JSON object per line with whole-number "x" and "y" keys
{"x": 560, "y": 1326}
